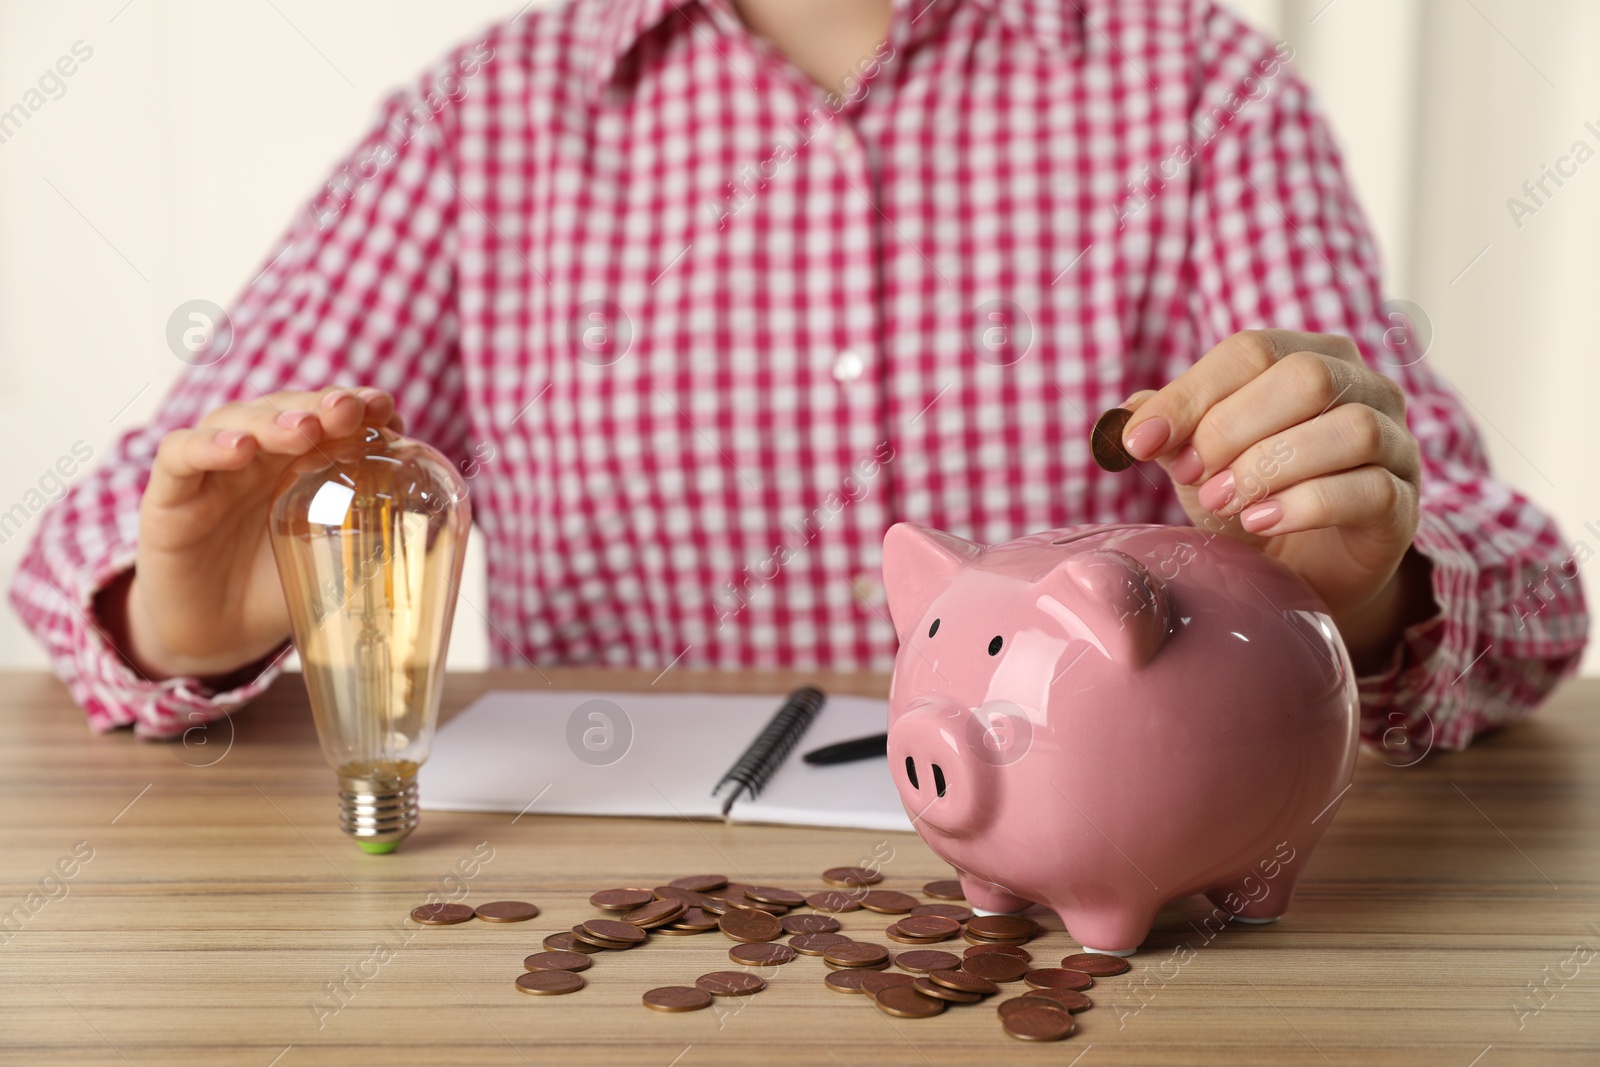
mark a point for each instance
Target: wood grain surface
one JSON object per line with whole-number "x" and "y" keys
{"x": 215, "y": 914}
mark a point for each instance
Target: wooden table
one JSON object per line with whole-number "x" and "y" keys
{"x": 214, "y": 902}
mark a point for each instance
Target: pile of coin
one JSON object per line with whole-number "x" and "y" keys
{"x": 924, "y": 982}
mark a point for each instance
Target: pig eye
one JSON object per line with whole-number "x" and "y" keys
{"x": 934, "y": 628}
{"x": 994, "y": 646}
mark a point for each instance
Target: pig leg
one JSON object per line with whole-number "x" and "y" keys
{"x": 987, "y": 898}
{"x": 1116, "y": 931}
{"x": 1254, "y": 898}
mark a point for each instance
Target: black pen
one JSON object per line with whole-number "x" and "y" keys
{"x": 849, "y": 751}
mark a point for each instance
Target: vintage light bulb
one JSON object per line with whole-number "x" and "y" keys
{"x": 370, "y": 534}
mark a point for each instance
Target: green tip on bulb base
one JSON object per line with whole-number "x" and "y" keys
{"x": 377, "y": 848}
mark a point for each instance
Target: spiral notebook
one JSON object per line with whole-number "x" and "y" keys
{"x": 667, "y": 755}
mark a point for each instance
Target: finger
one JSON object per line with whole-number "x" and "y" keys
{"x": 1168, "y": 419}
{"x": 185, "y": 457}
{"x": 1349, "y": 436}
{"x": 283, "y": 431}
{"x": 1368, "y": 497}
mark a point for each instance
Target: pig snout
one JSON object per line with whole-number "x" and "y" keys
{"x": 943, "y": 761}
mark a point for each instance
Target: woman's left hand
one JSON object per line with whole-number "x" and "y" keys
{"x": 1290, "y": 442}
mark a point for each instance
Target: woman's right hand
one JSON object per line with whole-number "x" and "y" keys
{"x": 204, "y": 597}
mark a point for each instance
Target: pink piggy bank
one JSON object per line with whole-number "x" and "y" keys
{"x": 1104, "y": 719}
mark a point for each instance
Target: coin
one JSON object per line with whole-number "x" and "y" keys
{"x": 851, "y": 876}
{"x": 751, "y": 926}
{"x": 675, "y": 998}
{"x": 689, "y": 898}
{"x": 1006, "y": 1007}
{"x": 944, "y": 911}
{"x": 924, "y": 960}
{"x": 621, "y": 899}
{"x": 894, "y": 933}
{"x": 582, "y": 936}
{"x": 549, "y": 983}
{"x": 928, "y": 926}
{"x": 1004, "y": 950}
{"x": 875, "y": 982}
{"x": 856, "y": 954}
{"x": 700, "y": 883}
{"x": 996, "y": 967}
{"x": 441, "y": 914}
{"x": 929, "y": 988}
{"x": 1096, "y": 964}
{"x": 769, "y": 894}
{"x": 692, "y": 921}
{"x": 1038, "y": 1022}
{"x": 1070, "y": 999}
{"x": 945, "y": 889}
{"x": 1002, "y": 927}
{"x": 816, "y": 944}
{"x": 806, "y": 923}
{"x": 505, "y": 911}
{"x": 1105, "y": 440}
{"x": 834, "y": 900}
{"x": 730, "y": 983}
{"x": 881, "y": 965}
{"x": 565, "y": 942}
{"x": 1057, "y": 978}
{"x": 964, "y": 981}
{"x": 888, "y": 902}
{"x": 656, "y": 913}
{"x": 613, "y": 930}
{"x": 905, "y": 1002}
{"x": 847, "y": 981}
{"x": 761, "y": 955}
{"x": 557, "y": 961}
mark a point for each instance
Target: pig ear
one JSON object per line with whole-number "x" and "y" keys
{"x": 1111, "y": 600}
{"x": 918, "y": 564}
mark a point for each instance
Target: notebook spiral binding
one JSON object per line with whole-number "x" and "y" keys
{"x": 773, "y": 745}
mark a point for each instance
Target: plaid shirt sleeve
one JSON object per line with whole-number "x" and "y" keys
{"x": 360, "y": 292}
{"x": 1279, "y": 241}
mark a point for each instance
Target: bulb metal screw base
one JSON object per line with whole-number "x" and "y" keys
{"x": 378, "y": 812}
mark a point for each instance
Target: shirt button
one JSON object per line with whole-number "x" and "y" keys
{"x": 847, "y": 366}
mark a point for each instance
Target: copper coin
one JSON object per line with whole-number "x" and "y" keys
{"x": 1105, "y": 440}
{"x": 930, "y": 926}
{"x": 1002, "y": 927}
{"x": 720, "y": 900}
{"x": 730, "y": 983}
{"x": 847, "y": 981}
{"x": 1096, "y": 964}
{"x": 688, "y": 897}
{"x": 695, "y": 920}
{"x": 929, "y": 988}
{"x": 976, "y": 939}
{"x": 807, "y": 923}
{"x": 996, "y": 967}
{"x": 656, "y": 913}
{"x": 1006, "y": 1007}
{"x": 894, "y": 933}
{"x": 905, "y": 1002}
{"x": 1070, "y": 999}
{"x": 565, "y": 942}
{"x": 875, "y": 982}
{"x": 1057, "y": 978}
{"x": 750, "y": 926}
{"x": 584, "y": 937}
{"x": 964, "y": 981}
{"x": 851, "y": 876}
{"x": 882, "y": 965}
{"x": 675, "y": 998}
{"x": 856, "y": 954}
{"x": 614, "y": 930}
{"x": 549, "y": 983}
{"x": 924, "y": 960}
{"x": 621, "y": 899}
{"x": 888, "y": 902}
{"x": 1003, "y": 950}
{"x": 834, "y": 900}
{"x": 700, "y": 883}
{"x": 505, "y": 911}
{"x": 771, "y": 894}
{"x": 761, "y": 955}
{"x": 816, "y": 944}
{"x": 944, "y": 911}
{"x": 441, "y": 914}
{"x": 558, "y": 961}
{"x": 945, "y": 889}
{"x": 1038, "y": 1022}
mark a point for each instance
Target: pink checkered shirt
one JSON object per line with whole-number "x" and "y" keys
{"x": 699, "y": 334}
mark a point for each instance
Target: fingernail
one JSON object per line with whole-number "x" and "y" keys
{"x": 1148, "y": 437}
{"x": 291, "y": 420}
{"x": 1261, "y": 516}
{"x": 1217, "y": 491}
{"x": 229, "y": 438}
{"x": 1187, "y": 466}
{"x": 331, "y": 400}
{"x": 369, "y": 394}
